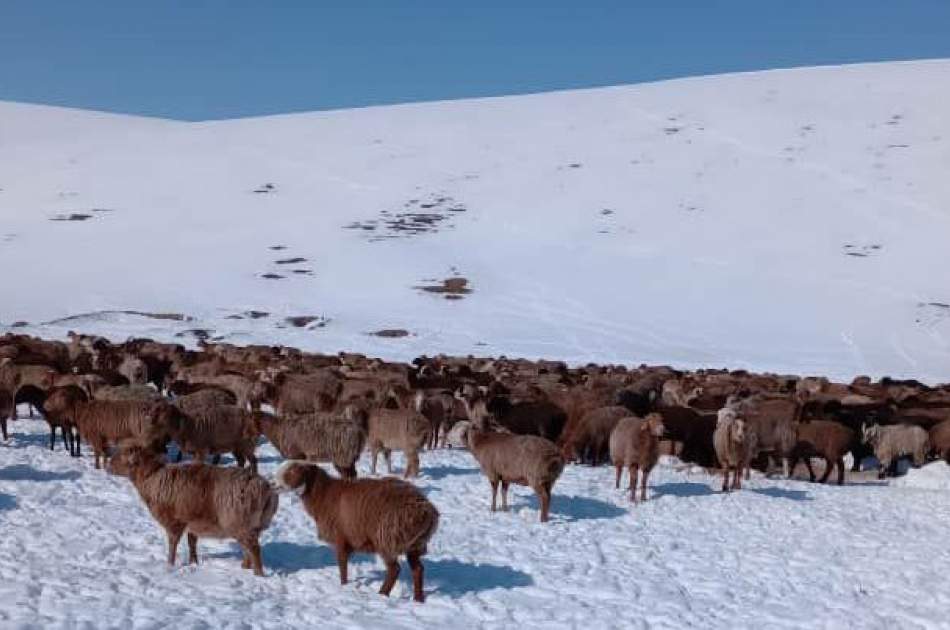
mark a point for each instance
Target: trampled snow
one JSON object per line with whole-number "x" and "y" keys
{"x": 792, "y": 220}
{"x": 80, "y": 550}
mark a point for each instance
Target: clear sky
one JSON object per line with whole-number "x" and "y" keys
{"x": 204, "y": 59}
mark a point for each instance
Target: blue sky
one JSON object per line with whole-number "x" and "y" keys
{"x": 196, "y": 60}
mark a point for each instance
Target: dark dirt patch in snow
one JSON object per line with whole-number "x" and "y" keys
{"x": 272, "y": 276}
{"x": 249, "y": 315}
{"x": 277, "y": 248}
{"x": 861, "y": 251}
{"x": 174, "y": 317}
{"x": 291, "y": 261}
{"x": 265, "y": 189}
{"x": 304, "y": 321}
{"x": 202, "y": 334}
{"x": 452, "y": 288}
{"x": 303, "y": 272}
{"x": 71, "y": 216}
{"x": 390, "y": 333}
{"x": 416, "y": 217}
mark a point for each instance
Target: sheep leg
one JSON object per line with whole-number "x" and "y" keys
{"x": 417, "y": 575}
{"x": 784, "y": 468}
{"x": 725, "y": 478}
{"x": 216, "y": 459}
{"x": 412, "y": 464}
{"x": 544, "y": 494}
{"x": 3, "y": 427}
{"x": 192, "y": 548}
{"x": 254, "y": 548}
{"x": 388, "y": 456}
{"x": 392, "y": 574}
{"x": 252, "y": 459}
{"x": 52, "y": 437}
{"x": 29, "y": 408}
{"x": 375, "y": 454}
{"x": 634, "y": 475}
{"x": 828, "y": 466}
{"x": 343, "y": 552}
{"x": 643, "y": 485}
{"x": 737, "y": 479}
{"x": 840, "y": 464}
{"x": 494, "y": 492}
{"x": 619, "y": 475}
{"x": 811, "y": 473}
{"x": 179, "y": 456}
{"x": 504, "y": 495}
{"x": 174, "y": 537}
{"x": 62, "y": 430}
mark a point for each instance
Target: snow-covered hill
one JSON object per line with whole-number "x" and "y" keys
{"x": 792, "y": 220}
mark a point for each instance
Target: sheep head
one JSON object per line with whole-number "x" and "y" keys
{"x": 298, "y": 476}
{"x": 654, "y": 424}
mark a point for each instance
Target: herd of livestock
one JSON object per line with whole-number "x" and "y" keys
{"x": 523, "y": 421}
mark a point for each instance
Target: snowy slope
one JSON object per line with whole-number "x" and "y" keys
{"x": 80, "y": 550}
{"x": 791, "y": 220}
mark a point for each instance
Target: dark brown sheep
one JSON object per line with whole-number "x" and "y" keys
{"x": 388, "y": 517}
{"x": 822, "y": 438}
{"x": 58, "y": 409}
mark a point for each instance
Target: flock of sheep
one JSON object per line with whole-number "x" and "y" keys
{"x": 523, "y": 421}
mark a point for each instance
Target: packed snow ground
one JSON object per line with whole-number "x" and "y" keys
{"x": 80, "y": 550}
{"x": 791, "y": 220}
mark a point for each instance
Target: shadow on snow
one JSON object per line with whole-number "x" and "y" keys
{"x": 782, "y": 493}
{"x": 7, "y": 502}
{"x": 22, "y": 472}
{"x": 683, "y": 489}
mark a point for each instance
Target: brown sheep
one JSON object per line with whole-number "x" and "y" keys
{"x": 406, "y": 430}
{"x": 734, "y": 444}
{"x": 292, "y": 394}
{"x": 319, "y": 437}
{"x": 526, "y": 460}
{"x": 216, "y": 429}
{"x": 141, "y": 393}
{"x": 635, "y": 445}
{"x": 589, "y": 442}
{"x": 940, "y": 440}
{"x": 58, "y": 410}
{"x": 388, "y": 517}
{"x": 202, "y": 501}
{"x": 104, "y": 423}
{"x": 822, "y": 438}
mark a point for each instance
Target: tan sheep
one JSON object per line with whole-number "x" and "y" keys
{"x": 388, "y": 517}
{"x": 201, "y": 501}
{"x": 406, "y": 430}
{"x": 734, "y": 445}
{"x": 635, "y": 445}
{"x": 319, "y": 437}
{"x": 526, "y": 460}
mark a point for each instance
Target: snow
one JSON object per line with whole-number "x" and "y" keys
{"x": 80, "y": 550}
{"x": 790, "y": 220}
{"x": 935, "y": 476}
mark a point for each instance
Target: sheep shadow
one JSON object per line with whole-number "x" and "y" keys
{"x": 574, "y": 508}
{"x": 22, "y": 472}
{"x": 455, "y": 578}
{"x": 287, "y": 558}
{"x": 682, "y": 489}
{"x": 436, "y": 473}
{"x": 7, "y": 502}
{"x": 782, "y": 493}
